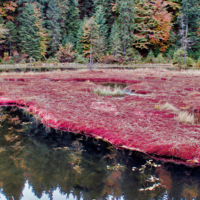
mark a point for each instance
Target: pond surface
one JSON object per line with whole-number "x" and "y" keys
{"x": 40, "y": 163}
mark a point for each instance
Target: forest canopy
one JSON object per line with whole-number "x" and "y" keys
{"x": 117, "y": 30}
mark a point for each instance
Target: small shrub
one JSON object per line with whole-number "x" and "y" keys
{"x": 81, "y": 59}
{"x": 52, "y": 60}
{"x": 179, "y": 57}
{"x": 109, "y": 59}
{"x": 133, "y": 55}
{"x": 23, "y": 58}
{"x": 190, "y": 62}
{"x": 19, "y": 58}
{"x": 65, "y": 54}
{"x": 6, "y": 58}
{"x": 198, "y": 62}
{"x": 160, "y": 59}
{"x": 150, "y": 57}
{"x": 11, "y": 61}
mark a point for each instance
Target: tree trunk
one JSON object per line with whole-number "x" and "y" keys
{"x": 185, "y": 59}
{"x": 91, "y": 55}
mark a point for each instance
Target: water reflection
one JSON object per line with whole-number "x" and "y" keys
{"x": 36, "y": 162}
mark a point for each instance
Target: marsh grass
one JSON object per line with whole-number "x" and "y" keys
{"x": 108, "y": 91}
{"x": 185, "y": 116}
{"x": 182, "y": 116}
{"x": 168, "y": 106}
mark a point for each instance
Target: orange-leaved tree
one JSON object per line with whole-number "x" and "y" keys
{"x": 153, "y": 24}
{"x": 7, "y": 10}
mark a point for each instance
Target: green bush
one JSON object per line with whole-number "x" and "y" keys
{"x": 150, "y": 57}
{"x": 81, "y": 59}
{"x": 178, "y": 57}
{"x": 160, "y": 59}
{"x": 198, "y": 62}
{"x": 11, "y": 61}
{"x": 52, "y": 60}
{"x": 133, "y": 55}
{"x": 190, "y": 62}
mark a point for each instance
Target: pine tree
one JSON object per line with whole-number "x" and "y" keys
{"x": 28, "y": 33}
{"x": 7, "y": 9}
{"x": 152, "y": 24}
{"x": 53, "y": 26}
{"x": 42, "y": 32}
{"x": 102, "y": 31}
{"x": 109, "y": 15}
{"x": 69, "y": 14}
{"x": 12, "y": 37}
{"x": 79, "y": 47}
{"x": 86, "y": 8}
{"x": 126, "y": 22}
{"x": 190, "y": 13}
{"x": 115, "y": 41}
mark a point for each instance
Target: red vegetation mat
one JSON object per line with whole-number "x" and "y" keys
{"x": 64, "y": 100}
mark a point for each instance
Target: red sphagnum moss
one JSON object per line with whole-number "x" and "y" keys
{"x": 63, "y": 101}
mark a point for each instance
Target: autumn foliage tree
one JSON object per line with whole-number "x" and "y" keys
{"x": 65, "y": 54}
{"x": 42, "y": 32}
{"x": 153, "y": 24}
{"x": 90, "y": 38}
{"x": 123, "y": 30}
{"x": 7, "y": 10}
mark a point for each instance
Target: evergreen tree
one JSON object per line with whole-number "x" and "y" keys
{"x": 42, "y": 32}
{"x": 70, "y": 21}
{"x": 102, "y": 31}
{"x": 126, "y": 21}
{"x": 109, "y": 15}
{"x": 115, "y": 41}
{"x": 86, "y": 8}
{"x": 190, "y": 15}
{"x": 79, "y": 47}
{"x": 28, "y": 33}
{"x": 53, "y": 26}
{"x": 11, "y": 41}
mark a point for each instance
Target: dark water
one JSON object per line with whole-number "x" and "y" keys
{"x": 39, "y": 163}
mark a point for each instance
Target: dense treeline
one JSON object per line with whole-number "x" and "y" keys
{"x": 103, "y": 30}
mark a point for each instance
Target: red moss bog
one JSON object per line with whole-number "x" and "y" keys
{"x": 63, "y": 100}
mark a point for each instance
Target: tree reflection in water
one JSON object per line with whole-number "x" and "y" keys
{"x": 88, "y": 168}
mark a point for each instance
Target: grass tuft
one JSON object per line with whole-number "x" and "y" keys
{"x": 184, "y": 116}
{"x": 108, "y": 91}
{"x": 168, "y": 106}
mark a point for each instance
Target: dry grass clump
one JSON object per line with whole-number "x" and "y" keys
{"x": 107, "y": 91}
{"x": 183, "y": 116}
{"x": 168, "y": 106}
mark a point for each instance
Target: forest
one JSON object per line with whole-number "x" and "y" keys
{"x": 106, "y": 31}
